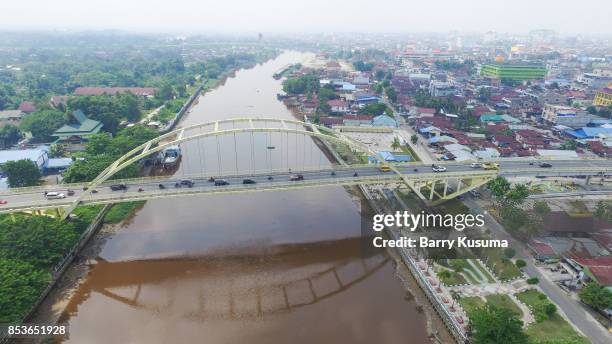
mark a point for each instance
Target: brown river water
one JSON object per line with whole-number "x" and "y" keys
{"x": 270, "y": 267}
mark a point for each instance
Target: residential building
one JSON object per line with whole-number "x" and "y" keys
{"x": 564, "y": 115}
{"x": 603, "y": 97}
{"x": 78, "y": 128}
{"x": 39, "y": 156}
{"x": 97, "y": 91}
{"x": 27, "y": 107}
{"x": 338, "y": 106}
{"x": 513, "y": 71}
{"x": 441, "y": 89}
{"x": 10, "y": 117}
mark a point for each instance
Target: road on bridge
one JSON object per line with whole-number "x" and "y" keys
{"x": 34, "y": 198}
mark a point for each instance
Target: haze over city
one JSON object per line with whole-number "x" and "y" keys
{"x": 243, "y": 16}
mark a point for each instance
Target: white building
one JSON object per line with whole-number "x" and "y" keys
{"x": 565, "y": 115}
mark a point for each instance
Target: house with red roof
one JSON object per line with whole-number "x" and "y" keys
{"x": 98, "y": 91}
{"x": 27, "y": 107}
{"x": 597, "y": 269}
{"x": 338, "y": 106}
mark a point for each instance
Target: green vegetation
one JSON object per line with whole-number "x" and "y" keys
{"x": 42, "y": 124}
{"x": 491, "y": 324}
{"x": 533, "y": 280}
{"x": 29, "y": 247}
{"x": 305, "y": 84}
{"x": 363, "y": 66}
{"x": 102, "y": 150}
{"x": 9, "y": 135}
{"x": 108, "y": 109}
{"x": 520, "y": 263}
{"x": 22, "y": 173}
{"x": 549, "y": 325}
{"x": 470, "y": 304}
{"x": 597, "y": 297}
{"x": 504, "y": 301}
{"x": 451, "y": 277}
{"x": 376, "y": 109}
{"x": 121, "y": 211}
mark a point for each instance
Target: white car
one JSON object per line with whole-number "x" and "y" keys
{"x": 437, "y": 168}
{"x": 55, "y": 195}
{"x": 475, "y": 165}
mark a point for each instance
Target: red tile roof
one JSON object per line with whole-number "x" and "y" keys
{"x": 96, "y": 91}
{"x": 600, "y": 267}
{"x": 27, "y": 107}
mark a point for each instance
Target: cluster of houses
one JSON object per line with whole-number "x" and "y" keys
{"x": 582, "y": 244}
{"x": 74, "y": 133}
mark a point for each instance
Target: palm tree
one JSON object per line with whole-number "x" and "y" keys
{"x": 395, "y": 144}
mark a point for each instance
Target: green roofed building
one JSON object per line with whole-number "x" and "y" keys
{"x": 78, "y": 128}
{"x": 513, "y": 71}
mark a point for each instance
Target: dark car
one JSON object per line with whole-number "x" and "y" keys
{"x": 248, "y": 181}
{"x": 545, "y": 165}
{"x": 296, "y": 177}
{"x": 220, "y": 182}
{"x": 118, "y": 187}
{"x": 187, "y": 183}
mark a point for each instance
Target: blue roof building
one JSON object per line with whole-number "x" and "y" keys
{"x": 588, "y": 132}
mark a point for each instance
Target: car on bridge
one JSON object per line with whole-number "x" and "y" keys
{"x": 490, "y": 166}
{"x": 545, "y": 165}
{"x": 296, "y": 177}
{"x": 248, "y": 181}
{"x": 188, "y": 183}
{"x": 3, "y": 201}
{"x": 384, "y": 168}
{"x": 476, "y": 165}
{"x": 221, "y": 182}
{"x": 438, "y": 168}
{"x": 118, "y": 187}
{"x": 55, "y": 195}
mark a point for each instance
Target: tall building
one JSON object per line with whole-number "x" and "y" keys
{"x": 513, "y": 71}
{"x": 565, "y": 115}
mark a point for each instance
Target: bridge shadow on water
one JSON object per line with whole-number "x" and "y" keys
{"x": 253, "y": 282}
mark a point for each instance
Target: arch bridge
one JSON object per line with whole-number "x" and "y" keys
{"x": 258, "y": 133}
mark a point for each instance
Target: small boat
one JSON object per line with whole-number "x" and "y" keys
{"x": 271, "y": 147}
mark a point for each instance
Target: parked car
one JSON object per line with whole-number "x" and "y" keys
{"x": 437, "y": 168}
{"x": 118, "y": 187}
{"x": 55, "y": 195}
{"x": 221, "y": 182}
{"x": 248, "y": 181}
{"x": 474, "y": 193}
{"x": 296, "y": 177}
{"x": 545, "y": 165}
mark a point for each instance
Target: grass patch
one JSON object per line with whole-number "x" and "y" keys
{"x": 483, "y": 271}
{"x": 554, "y": 327}
{"x": 121, "y": 211}
{"x": 469, "y": 304}
{"x": 450, "y": 277}
{"x": 504, "y": 301}
{"x": 408, "y": 150}
{"x": 504, "y": 269}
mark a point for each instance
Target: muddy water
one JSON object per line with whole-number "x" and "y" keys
{"x": 273, "y": 267}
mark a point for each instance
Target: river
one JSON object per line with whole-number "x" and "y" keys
{"x": 271, "y": 267}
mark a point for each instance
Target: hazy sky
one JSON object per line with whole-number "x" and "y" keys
{"x": 247, "y": 16}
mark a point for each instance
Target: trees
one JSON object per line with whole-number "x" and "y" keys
{"x": 375, "y": 109}
{"x": 165, "y": 92}
{"x": 541, "y": 208}
{"x": 520, "y": 263}
{"x": 569, "y": 145}
{"x": 22, "y": 173}
{"x": 42, "y": 124}
{"x": 301, "y": 85}
{"x": 395, "y": 144}
{"x": 363, "y": 66}
{"x": 493, "y": 325}
{"x": 108, "y": 109}
{"x": 391, "y": 93}
{"x": 20, "y": 285}
{"x": 57, "y": 150}
{"x": 9, "y": 135}
{"x": 596, "y": 296}
{"x": 414, "y": 139}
